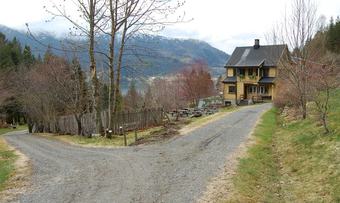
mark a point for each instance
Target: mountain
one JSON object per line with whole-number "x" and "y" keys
{"x": 145, "y": 55}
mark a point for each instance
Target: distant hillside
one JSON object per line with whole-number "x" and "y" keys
{"x": 146, "y": 55}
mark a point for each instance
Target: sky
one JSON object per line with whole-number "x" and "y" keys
{"x": 224, "y": 24}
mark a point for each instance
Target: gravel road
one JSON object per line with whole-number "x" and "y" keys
{"x": 174, "y": 171}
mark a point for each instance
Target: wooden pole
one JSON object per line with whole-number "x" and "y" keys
{"x": 125, "y": 141}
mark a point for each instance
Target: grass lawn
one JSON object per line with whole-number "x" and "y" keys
{"x": 295, "y": 162}
{"x": 7, "y": 157}
{"x": 102, "y": 141}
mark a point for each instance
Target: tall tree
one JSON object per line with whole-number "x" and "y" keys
{"x": 196, "y": 82}
{"x": 127, "y": 18}
{"x": 28, "y": 57}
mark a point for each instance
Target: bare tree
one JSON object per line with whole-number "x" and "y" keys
{"x": 196, "y": 82}
{"x": 297, "y": 29}
{"x": 324, "y": 81}
{"x": 127, "y": 18}
{"x": 87, "y": 22}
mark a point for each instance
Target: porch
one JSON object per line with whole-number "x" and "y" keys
{"x": 255, "y": 93}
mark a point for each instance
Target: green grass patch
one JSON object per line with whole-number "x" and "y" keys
{"x": 7, "y": 159}
{"x": 257, "y": 174}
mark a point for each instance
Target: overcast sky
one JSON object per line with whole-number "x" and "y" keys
{"x": 224, "y": 24}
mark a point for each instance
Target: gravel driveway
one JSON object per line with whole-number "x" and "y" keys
{"x": 175, "y": 171}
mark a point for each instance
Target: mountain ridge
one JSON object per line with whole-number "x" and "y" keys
{"x": 153, "y": 55}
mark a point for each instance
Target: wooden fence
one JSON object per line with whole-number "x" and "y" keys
{"x": 128, "y": 120}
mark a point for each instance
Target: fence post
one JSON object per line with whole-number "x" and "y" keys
{"x": 136, "y": 138}
{"x": 122, "y": 129}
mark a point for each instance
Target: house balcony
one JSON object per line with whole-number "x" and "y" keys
{"x": 252, "y": 79}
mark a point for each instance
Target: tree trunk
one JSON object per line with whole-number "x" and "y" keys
{"x": 95, "y": 84}
{"x": 30, "y": 125}
{"x": 111, "y": 64}
{"x": 117, "y": 106}
{"x": 79, "y": 126}
{"x": 324, "y": 123}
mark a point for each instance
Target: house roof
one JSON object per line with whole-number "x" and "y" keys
{"x": 264, "y": 56}
{"x": 266, "y": 80}
{"x": 230, "y": 80}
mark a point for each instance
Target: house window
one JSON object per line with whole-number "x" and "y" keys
{"x": 264, "y": 89}
{"x": 264, "y": 72}
{"x": 252, "y": 89}
{"x": 250, "y": 72}
{"x": 232, "y": 89}
{"x": 242, "y": 72}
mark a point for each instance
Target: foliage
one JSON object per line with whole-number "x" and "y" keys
{"x": 13, "y": 60}
{"x": 333, "y": 35}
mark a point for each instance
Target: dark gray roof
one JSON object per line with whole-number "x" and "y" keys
{"x": 230, "y": 79}
{"x": 250, "y": 57}
{"x": 266, "y": 80}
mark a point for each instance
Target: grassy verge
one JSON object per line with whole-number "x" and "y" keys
{"x": 257, "y": 174}
{"x": 104, "y": 142}
{"x": 294, "y": 162}
{"x": 7, "y": 157}
{"x": 7, "y": 130}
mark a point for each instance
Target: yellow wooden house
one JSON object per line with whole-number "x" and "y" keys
{"x": 251, "y": 72}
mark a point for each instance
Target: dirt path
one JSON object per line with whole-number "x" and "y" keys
{"x": 175, "y": 171}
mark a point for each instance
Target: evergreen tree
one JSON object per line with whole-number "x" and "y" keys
{"x": 132, "y": 98}
{"x": 28, "y": 57}
{"x": 333, "y": 36}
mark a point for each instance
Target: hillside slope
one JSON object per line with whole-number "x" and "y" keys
{"x": 292, "y": 160}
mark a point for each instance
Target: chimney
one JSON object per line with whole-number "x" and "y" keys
{"x": 257, "y": 44}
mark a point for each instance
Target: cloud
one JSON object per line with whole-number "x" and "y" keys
{"x": 223, "y": 24}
